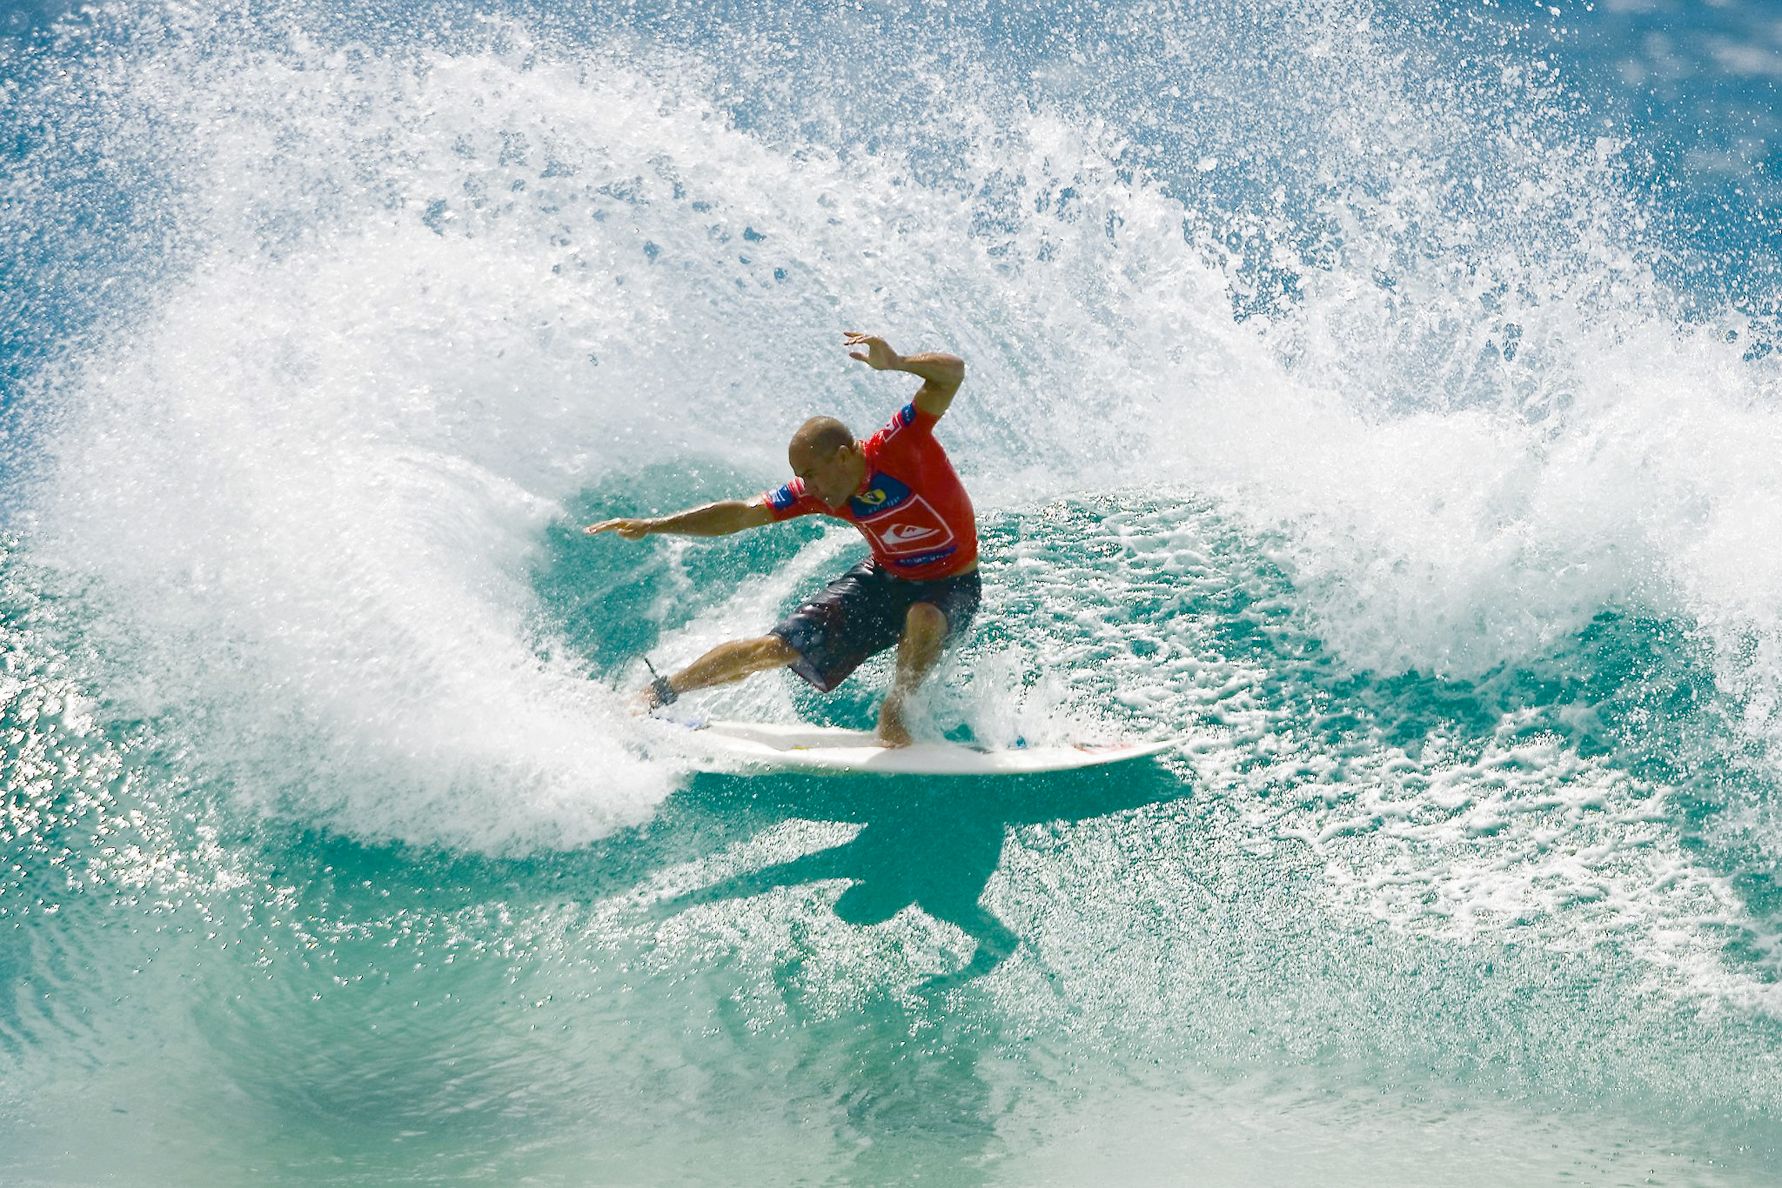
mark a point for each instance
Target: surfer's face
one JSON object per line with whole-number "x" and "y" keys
{"x": 831, "y": 477}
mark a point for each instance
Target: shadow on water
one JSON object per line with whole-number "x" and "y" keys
{"x": 932, "y": 844}
{"x": 924, "y": 843}
{"x": 927, "y": 844}
{"x": 900, "y": 1080}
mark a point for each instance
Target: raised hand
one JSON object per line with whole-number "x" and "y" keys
{"x": 878, "y": 354}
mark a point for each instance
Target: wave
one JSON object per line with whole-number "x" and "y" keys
{"x": 349, "y": 318}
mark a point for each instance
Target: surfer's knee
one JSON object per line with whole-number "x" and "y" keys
{"x": 771, "y": 650}
{"x": 925, "y": 620}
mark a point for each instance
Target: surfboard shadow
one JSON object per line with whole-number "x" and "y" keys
{"x": 924, "y": 843}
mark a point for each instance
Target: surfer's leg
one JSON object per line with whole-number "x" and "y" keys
{"x": 995, "y": 944}
{"x": 851, "y": 620}
{"x": 833, "y": 863}
{"x": 924, "y": 631}
{"x": 726, "y": 663}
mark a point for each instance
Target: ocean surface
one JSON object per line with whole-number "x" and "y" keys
{"x": 1385, "y": 399}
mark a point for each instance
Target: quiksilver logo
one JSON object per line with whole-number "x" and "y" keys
{"x": 898, "y": 533}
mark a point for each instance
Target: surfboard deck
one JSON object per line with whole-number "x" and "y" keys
{"x": 760, "y": 747}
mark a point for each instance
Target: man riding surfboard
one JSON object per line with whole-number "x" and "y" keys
{"x": 918, "y": 589}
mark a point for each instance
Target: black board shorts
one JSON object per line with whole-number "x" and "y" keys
{"x": 862, "y": 612}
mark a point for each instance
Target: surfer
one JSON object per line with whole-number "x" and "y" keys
{"x": 919, "y": 587}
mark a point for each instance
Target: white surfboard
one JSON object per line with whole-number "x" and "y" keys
{"x": 753, "y": 747}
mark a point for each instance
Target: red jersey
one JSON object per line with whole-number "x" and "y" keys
{"x": 912, "y": 508}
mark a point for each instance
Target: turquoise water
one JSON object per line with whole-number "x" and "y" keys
{"x": 1382, "y": 399}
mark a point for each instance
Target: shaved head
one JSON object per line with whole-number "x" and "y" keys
{"x": 820, "y": 437}
{"x": 825, "y": 456}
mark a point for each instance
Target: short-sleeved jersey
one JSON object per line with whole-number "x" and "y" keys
{"x": 912, "y": 508}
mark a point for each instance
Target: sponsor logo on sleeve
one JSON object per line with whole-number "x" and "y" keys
{"x": 899, "y": 419}
{"x": 786, "y": 496}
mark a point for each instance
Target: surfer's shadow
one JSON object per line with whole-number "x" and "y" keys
{"x": 924, "y": 843}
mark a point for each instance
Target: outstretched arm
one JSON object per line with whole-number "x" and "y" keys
{"x": 714, "y": 519}
{"x": 941, "y": 374}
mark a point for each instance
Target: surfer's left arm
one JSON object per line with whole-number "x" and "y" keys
{"x": 941, "y": 374}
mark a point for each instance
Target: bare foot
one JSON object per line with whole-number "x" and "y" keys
{"x": 892, "y": 731}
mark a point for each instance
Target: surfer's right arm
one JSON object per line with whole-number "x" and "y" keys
{"x": 714, "y": 519}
